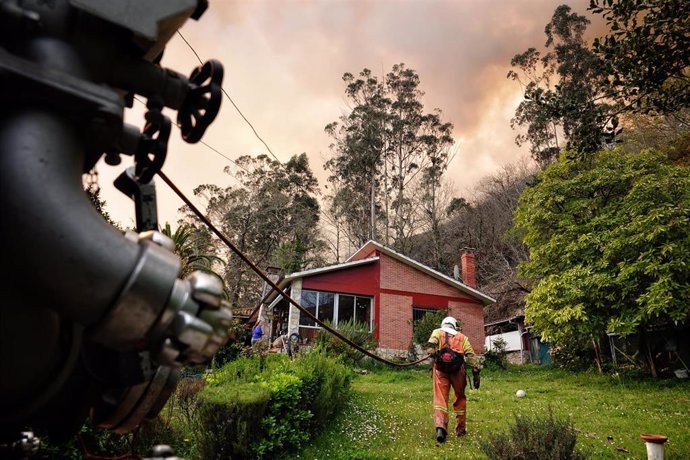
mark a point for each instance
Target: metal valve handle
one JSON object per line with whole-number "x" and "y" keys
{"x": 153, "y": 146}
{"x": 202, "y": 102}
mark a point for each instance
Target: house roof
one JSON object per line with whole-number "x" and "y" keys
{"x": 485, "y": 299}
{"x": 269, "y": 299}
{"x": 331, "y": 268}
{"x": 349, "y": 263}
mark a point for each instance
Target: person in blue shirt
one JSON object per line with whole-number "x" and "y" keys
{"x": 257, "y": 332}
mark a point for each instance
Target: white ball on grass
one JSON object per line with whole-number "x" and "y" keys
{"x": 520, "y": 393}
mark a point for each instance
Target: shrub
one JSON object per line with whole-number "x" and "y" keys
{"x": 425, "y": 326}
{"x": 356, "y": 332}
{"x": 575, "y": 354}
{"x": 239, "y": 335}
{"x": 249, "y": 412}
{"x": 96, "y": 440}
{"x": 497, "y": 357}
{"x": 185, "y": 398}
{"x": 534, "y": 438}
{"x": 230, "y": 418}
{"x": 286, "y": 420}
{"x": 325, "y": 386}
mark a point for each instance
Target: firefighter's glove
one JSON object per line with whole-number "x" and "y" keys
{"x": 475, "y": 378}
{"x": 431, "y": 351}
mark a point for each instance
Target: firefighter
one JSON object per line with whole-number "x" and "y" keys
{"x": 451, "y": 350}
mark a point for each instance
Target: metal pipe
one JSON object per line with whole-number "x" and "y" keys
{"x": 55, "y": 239}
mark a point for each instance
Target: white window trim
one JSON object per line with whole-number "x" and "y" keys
{"x": 336, "y": 304}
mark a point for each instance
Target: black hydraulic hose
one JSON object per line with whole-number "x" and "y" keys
{"x": 273, "y": 285}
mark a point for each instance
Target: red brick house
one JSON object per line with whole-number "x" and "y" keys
{"x": 382, "y": 288}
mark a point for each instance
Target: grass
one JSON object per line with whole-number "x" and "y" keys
{"x": 389, "y": 414}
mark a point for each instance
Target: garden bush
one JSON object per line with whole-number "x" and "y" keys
{"x": 239, "y": 336}
{"x": 497, "y": 357}
{"x": 249, "y": 412}
{"x": 286, "y": 420}
{"x": 357, "y": 332}
{"x": 425, "y": 326}
{"x": 230, "y": 420}
{"x": 574, "y": 354}
{"x": 534, "y": 438}
{"x": 325, "y": 386}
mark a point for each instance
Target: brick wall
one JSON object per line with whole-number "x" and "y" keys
{"x": 395, "y": 328}
{"x": 472, "y": 317}
{"x": 398, "y": 276}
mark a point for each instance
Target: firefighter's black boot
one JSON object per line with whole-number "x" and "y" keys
{"x": 440, "y": 435}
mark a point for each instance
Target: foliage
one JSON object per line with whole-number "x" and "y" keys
{"x": 250, "y": 411}
{"x": 284, "y": 422}
{"x": 609, "y": 242}
{"x": 239, "y": 335}
{"x": 534, "y": 438}
{"x": 564, "y": 92}
{"x": 640, "y": 66}
{"x": 669, "y": 134}
{"x": 647, "y": 52}
{"x": 273, "y": 214}
{"x": 194, "y": 248}
{"x": 230, "y": 418}
{"x": 96, "y": 440}
{"x": 423, "y": 328}
{"x": 325, "y": 387}
{"x": 496, "y": 357}
{"x": 380, "y": 148}
{"x": 93, "y": 191}
{"x": 573, "y": 353}
{"x": 357, "y": 332}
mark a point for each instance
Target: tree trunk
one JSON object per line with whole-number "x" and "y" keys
{"x": 597, "y": 355}
{"x": 372, "y": 227}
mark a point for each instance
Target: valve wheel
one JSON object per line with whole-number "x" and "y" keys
{"x": 153, "y": 146}
{"x": 202, "y": 103}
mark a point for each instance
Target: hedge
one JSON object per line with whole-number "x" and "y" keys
{"x": 262, "y": 408}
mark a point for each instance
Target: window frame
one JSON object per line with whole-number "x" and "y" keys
{"x": 336, "y": 306}
{"x": 424, "y": 310}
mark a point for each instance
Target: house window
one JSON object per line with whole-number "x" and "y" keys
{"x": 336, "y": 308}
{"x": 419, "y": 312}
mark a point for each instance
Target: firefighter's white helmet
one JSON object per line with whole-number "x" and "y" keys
{"x": 449, "y": 325}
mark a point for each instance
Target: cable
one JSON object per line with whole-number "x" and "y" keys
{"x": 233, "y": 103}
{"x": 268, "y": 281}
{"x": 213, "y": 149}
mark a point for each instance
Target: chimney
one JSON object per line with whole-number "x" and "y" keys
{"x": 468, "y": 276}
{"x": 273, "y": 274}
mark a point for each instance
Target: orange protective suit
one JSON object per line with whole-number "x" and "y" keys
{"x": 443, "y": 381}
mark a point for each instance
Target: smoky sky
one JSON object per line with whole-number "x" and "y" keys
{"x": 284, "y": 62}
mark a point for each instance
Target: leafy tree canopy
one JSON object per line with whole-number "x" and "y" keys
{"x": 647, "y": 52}
{"x": 380, "y": 148}
{"x": 564, "y": 92}
{"x": 575, "y": 93}
{"x": 271, "y": 213}
{"x": 609, "y": 243}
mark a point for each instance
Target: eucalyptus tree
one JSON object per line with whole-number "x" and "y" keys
{"x": 380, "y": 147}
{"x": 566, "y": 100}
{"x": 271, "y": 214}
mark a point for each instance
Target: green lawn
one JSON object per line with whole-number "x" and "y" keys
{"x": 389, "y": 414}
